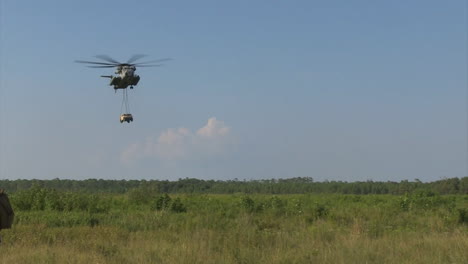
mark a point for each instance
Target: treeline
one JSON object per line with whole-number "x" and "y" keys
{"x": 273, "y": 186}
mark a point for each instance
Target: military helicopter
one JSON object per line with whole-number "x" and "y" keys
{"x": 125, "y": 76}
{"x": 125, "y": 71}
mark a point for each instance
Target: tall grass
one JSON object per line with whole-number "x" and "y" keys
{"x": 154, "y": 228}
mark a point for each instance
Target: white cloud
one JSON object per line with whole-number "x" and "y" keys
{"x": 181, "y": 143}
{"x": 171, "y": 144}
{"x": 213, "y": 128}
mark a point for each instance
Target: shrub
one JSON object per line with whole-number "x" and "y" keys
{"x": 320, "y": 210}
{"x": 248, "y": 204}
{"x": 463, "y": 216}
{"x": 178, "y": 207}
{"x": 162, "y": 202}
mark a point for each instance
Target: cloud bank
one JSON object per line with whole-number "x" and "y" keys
{"x": 181, "y": 143}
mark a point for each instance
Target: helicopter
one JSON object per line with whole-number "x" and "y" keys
{"x": 125, "y": 71}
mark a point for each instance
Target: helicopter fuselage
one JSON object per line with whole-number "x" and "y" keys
{"x": 126, "y": 77}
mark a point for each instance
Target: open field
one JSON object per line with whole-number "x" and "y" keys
{"x": 145, "y": 227}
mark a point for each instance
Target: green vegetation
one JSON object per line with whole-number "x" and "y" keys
{"x": 145, "y": 225}
{"x": 273, "y": 186}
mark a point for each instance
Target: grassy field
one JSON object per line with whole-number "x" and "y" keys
{"x": 152, "y": 228}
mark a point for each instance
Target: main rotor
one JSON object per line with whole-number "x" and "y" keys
{"x": 111, "y": 63}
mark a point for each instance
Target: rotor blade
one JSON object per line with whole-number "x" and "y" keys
{"x": 135, "y": 57}
{"x": 152, "y": 61}
{"x": 107, "y": 58}
{"x": 155, "y": 65}
{"x": 107, "y": 66}
{"x": 94, "y": 62}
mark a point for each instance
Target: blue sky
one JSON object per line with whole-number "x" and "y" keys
{"x": 334, "y": 90}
